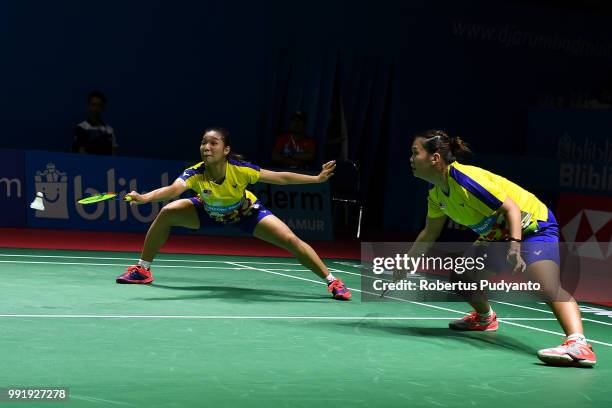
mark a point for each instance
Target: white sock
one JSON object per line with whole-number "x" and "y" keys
{"x": 579, "y": 337}
{"x": 330, "y": 278}
{"x": 144, "y": 264}
{"x": 485, "y": 316}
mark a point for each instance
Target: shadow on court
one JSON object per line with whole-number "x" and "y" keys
{"x": 236, "y": 294}
{"x": 562, "y": 366}
{"x": 487, "y": 339}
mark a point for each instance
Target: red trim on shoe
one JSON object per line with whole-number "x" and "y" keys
{"x": 135, "y": 274}
{"x": 570, "y": 353}
{"x": 472, "y": 322}
{"x": 339, "y": 291}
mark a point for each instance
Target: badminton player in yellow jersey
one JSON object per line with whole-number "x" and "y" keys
{"x": 497, "y": 210}
{"x": 220, "y": 182}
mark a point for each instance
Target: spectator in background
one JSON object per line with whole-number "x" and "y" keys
{"x": 93, "y": 136}
{"x": 295, "y": 149}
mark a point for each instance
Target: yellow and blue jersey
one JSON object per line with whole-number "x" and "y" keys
{"x": 475, "y": 198}
{"x": 229, "y": 200}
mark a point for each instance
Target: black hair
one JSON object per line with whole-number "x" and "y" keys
{"x": 225, "y": 135}
{"x": 96, "y": 94}
{"x": 450, "y": 148}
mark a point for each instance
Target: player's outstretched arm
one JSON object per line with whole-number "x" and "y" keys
{"x": 424, "y": 241}
{"x": 286, "y": 177}
{"x": 161, "y": 194}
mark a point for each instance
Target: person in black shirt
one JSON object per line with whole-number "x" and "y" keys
{"x": 93, "y": 136}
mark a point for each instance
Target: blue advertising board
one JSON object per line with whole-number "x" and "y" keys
{"x": 64, "y": 178}
{"x": 13, "y": 197}
{"x": 305, "y": 208}
{"x": 571, "y": 134}
{"x": 580, "y": 140}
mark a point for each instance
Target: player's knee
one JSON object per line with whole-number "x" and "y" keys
{"x": 168, "y": 213}
{"x": 292, "y": 242}
{"x": 550, "y": 289}
{"x": 551, "y": 292}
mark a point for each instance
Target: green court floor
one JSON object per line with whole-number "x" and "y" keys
{"x": 219, "y": 331}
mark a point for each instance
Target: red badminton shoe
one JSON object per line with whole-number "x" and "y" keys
{"x": 570, "y": 353}
{"x": 473, "y": 322}
{"x": 338, "y": 290}
{"x": 136, "y": 274}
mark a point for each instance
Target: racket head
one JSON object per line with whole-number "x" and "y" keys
{"x": 97, "y": 198}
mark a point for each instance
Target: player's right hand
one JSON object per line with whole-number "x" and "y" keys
{"x": 136, "y": 198}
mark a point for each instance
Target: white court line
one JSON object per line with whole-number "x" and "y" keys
{"x": 492, "y": 301}
{"x": 245, "y": 268}
{"x": 240, "y": 267}
{"x": 84, "y": 316}
{"x": 503, "y": 320}
{"x": 157, "y": 262}
{"x": 156, "y": 266}
{"x": 356, "y": 265}
{"x": 550, "y": 331}
{"x": 167, "y": 260}
{"x": 132, "y": 259}
{"x": 522, "y": 307}
{"x": 323, "y": 283}
{"x": 244, "y": 262}
{"x": 338, "y": 270}
{"x": 224, "y": 317}
{"x": 549, "y": 312}
{"x": 120, "y": 265}
{"x": 275, "y": 273}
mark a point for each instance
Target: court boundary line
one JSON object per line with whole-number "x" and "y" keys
{"x": 219, "y": 317}
{"x": 584, "y": 319}
{"x": 156, "y": 260}
{"x": 244, "y": 268}
{"x": 322, "y": 283}
{"x": 432, "y": 306}
{"x": 244, "y": 262}
{"x": 157, "y": 266}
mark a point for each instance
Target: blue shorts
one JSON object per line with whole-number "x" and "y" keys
{"x": 543, "y": 244}
{"x": 246, "y": 223}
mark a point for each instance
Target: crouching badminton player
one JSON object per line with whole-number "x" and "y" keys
{"x": 220, "y": 182}
{"x": 497, "y": 210}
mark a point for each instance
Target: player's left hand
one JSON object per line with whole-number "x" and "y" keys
{"x": 514, "y": 258}
{"x": 327, "y": 171}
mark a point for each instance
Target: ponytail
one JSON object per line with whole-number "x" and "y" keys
{"x": 236, "y": 156}
{"x": 450, "y": 148}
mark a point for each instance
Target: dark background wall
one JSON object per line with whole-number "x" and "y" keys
{"x": 171, "y": 69}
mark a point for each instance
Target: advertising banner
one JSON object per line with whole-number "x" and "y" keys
{"x": 580, "y": 140}
{"x": 305, "y": 208}
{"x": 64, "y": 178}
